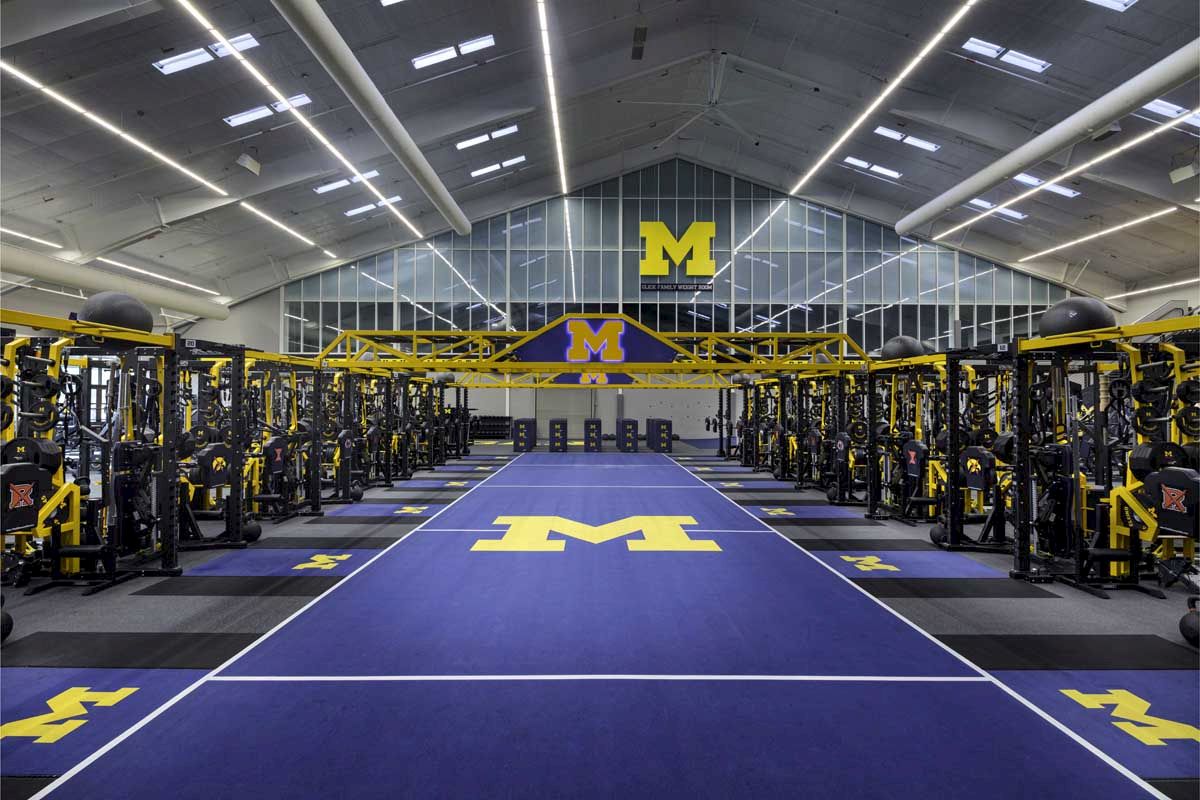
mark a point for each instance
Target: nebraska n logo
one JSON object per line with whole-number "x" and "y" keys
{"x": 1173, "y": 499}
{"x": 20, "y": 495}
{"x": 661, "y": 245}
{"x": 532, "y": 535}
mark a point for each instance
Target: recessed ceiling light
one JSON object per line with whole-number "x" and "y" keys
{"x": 857, "y": 162}
{"x": 983, "y": 48}
{"x": 512, "y": 162}
{"x": 242, "y": 117}
{"x": 496, "y": 134}
{"x": 243, "y": 42}
{"x": 889, "y": 133}
{"x": 435, "y": 57}
{"x": 891, "y": 173}
{"x": 295, "y": 101}
{"x": 485, "y": 170}
{"x": 387, "y": 201}
{"x": 1171, "y": 110}
{"x": 474, "y": 140}
{"x": 389, "y": 2}
{"x": 1018, "y": 59}
{"x": 1010, "y": 213}
{"x": 371, "y": 173}
{"x": 192, "y": 58}
{"x": 1115, "y": 5}
{"x": 922, "y": 144}
{"x": 1028, "y": 179}
{"x": 479, "y": 43}
{"x": 360, "y": 210}
{"x": 976, "y": 201}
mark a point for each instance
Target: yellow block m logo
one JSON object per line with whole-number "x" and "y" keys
{"x": 532, "y": 535}
{"x": 1135, "y": 713}
{"x": 661, "y": 245}
{"x": 65, "y": 708}
{"x": 605, "y": 341}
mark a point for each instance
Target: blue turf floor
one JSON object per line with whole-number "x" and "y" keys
{"x": 598, "y": 670}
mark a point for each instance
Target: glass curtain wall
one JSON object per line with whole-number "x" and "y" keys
{"x": 782, "y": 264}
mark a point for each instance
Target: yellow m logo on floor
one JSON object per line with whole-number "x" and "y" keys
{"x": 532, "y": 535}
{"x": 64, "y": 707}
{"x": 1127, "y": 706}
{"x": 605, "y": 341}
{"x": 661, "y": 245}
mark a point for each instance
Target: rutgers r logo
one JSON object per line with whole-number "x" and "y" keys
{"x": 20, "y": 495}
{"x": 1173, "y": 499}
{"x": 532, "y": 535}
{"x": 604, "y": 342}
{"x": 661, "y": 245}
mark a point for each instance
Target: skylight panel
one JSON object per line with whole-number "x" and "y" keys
{"x": 371, "y": 173}
{"x": 1062, "y": 190}
{"x": 296, "y": 101}
{"x": 387, "y": 201}
{"x": 252, "y": 114}
{"x": 983, "y": 48}
{"x": 485, "y": 170}
{"x": 496, "y": 134}
{"x": 857, "y": 162}
{"x": 889, "y": 133}
{"x": 891, "y": 173}
{"x": 360, "y": 210}
{"x": 329, "y": 187}
{"x": 1115, "y": 5}
{"x": 1011, "y": 214}
{"x": 981, "y": 203}
{"x": 240, "y": 43}
{"x": 479, "y": 43}
{"x": 512, "y": 162}
{"x": 435, "y": 57}
{"x": 922, "y": 144}
{"x": 1165, "y": 108}
{"x": 1028, "y": 179}
{"x": 192, "y": 58}
{"x": 1019, "y": 59}
{"x": 474, "y": 140}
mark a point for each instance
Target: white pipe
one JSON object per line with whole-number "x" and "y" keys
{"x": 53, "y": 270}
{"x": 1176, "y": 69}
{"x": 316, "y": 31}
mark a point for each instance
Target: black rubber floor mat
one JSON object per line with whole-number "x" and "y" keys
{"x": 240, "y": 586}
{"x": 1047, "y": 651}
{"x": 820, "y": 522}
{"x": 125, "y": 650}
{"x": 23, "y": 788}
{"x": 953, "y": 587}
{"x": 1178, "y": 788}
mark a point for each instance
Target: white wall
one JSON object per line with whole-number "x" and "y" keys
{"x": 254, "y": 323}
{"x": 1141, "y": 305}
{"x": 686, "y": 408}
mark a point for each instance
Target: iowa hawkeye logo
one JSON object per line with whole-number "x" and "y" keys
{"x": 532, "y": 535}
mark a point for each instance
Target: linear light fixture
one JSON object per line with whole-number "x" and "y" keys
{"x": 1154, "y": 289}
{"x": 474, "y": 140}
{"x": 885, "y": 171}
{"x": 477, "y": 173}
{"x": 552, "y": 93}
{"x": 982, "y": 48}
{"x": 1168, "y": 109}
{"x": 249, "y": 115}
{"x": 178, "y": 63}
{"x": 1014, "y": 57}
{"x": 11, "y": 232}
{"x": 1105, "y": 232}
{"x": 278, "y": 224}
{"x": 243, "y": 42}
{"x": 512, "y": 162}
{"x": 354, "y": 212}
{"x": 955, "y": 18}
{"x": 303, "y": 120}
{"x": 1134, "y": 142}
{"x": 295, "y": 101}
{"x": 108, "y": 126}
{"x": 155, "y": 275}
{"x": 476, "y": 44}
{"x": 434, "y": 57}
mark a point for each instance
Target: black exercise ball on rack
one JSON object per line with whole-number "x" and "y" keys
{"x": 119, "y": 309}
{"x": 929, "y": 347}
{"x": 901, "y": 347}
{"x": 1076, "y": 314}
